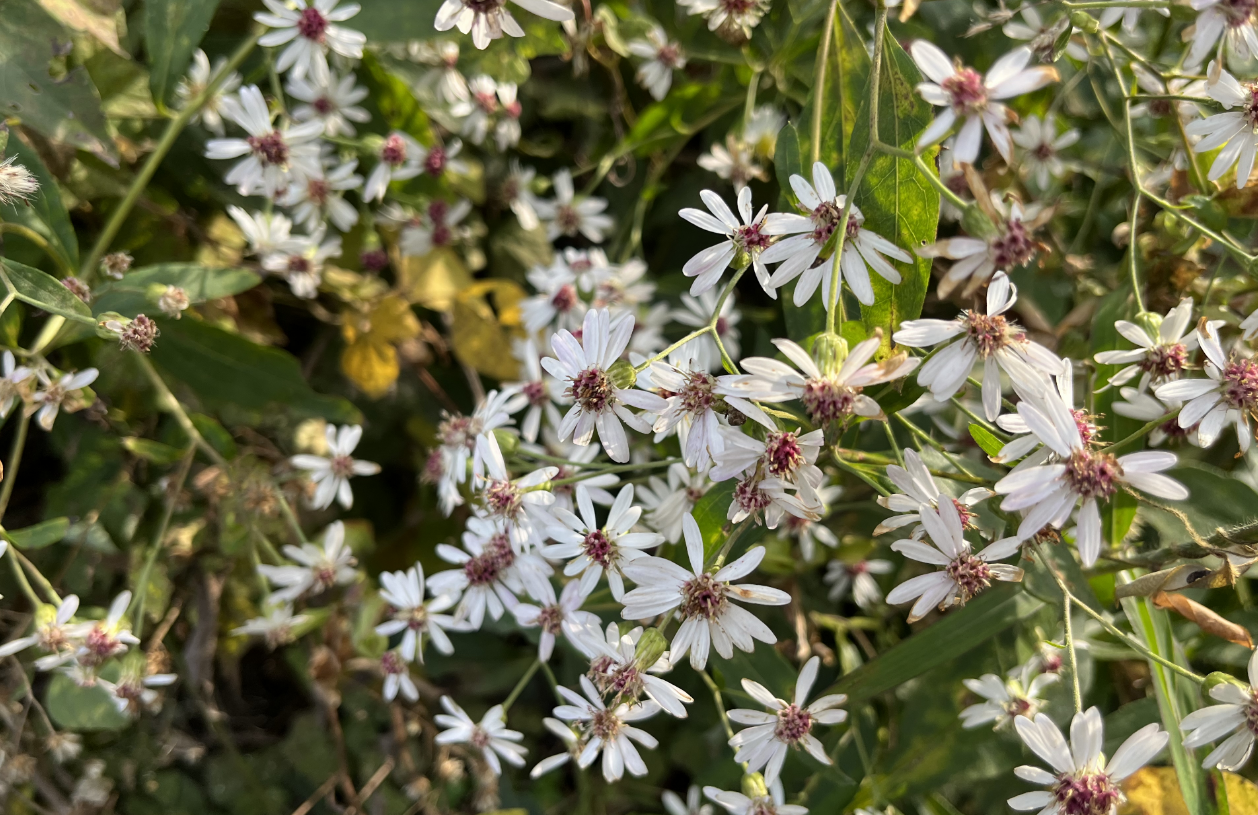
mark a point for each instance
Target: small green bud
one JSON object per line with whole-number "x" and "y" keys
{"x": 110, "y": 324}
{"x": 1084, "y": 22}
{"x": 1217, "y": 678}
{"x": 976, "y": 223}
{"x": 1150, "y": 322}
{"x": 651, "y": 646}
{"x": 754, "y": 786}
{"x": 622, "y": 374}
{"x": 508, "y": 442}
{"x": 829, "y": 350}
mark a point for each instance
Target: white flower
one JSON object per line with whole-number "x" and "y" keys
{"x": 738, "y": 804}
{"x": 608, "y": 730}
{"x": 811, "y": 232}
{"x": 133, "y": 692}
{"x": 413, "y": 616}
{"x": 276, "y": 625}
{"x": 449, "y": 83}
{"x": 662, "y": 55}
{"x": 53, "y": 633}
{"x": 1236, "y": 715}
{"x": 507, "y": 131}
{"x": 615, "y": 668}
{"x": 397, "y": 677}
{"x": 674, "y": 805}
{"x": 488, "y": 19}
{"x": 271, "y": 156}
{"x": 1080, "y": 780}
{"x": 783, "y": 461}
{"x": 440, "y": 228}
{"x": 104, "y": 639}
{"x": 1024, "y": 442}
{"x": 10, "y": 383}
{"x": 761, "y": 130}
{"x": 809, "y": 532}
{"x": 1043, "y": 146}
{"x": 265, "y": 232}
{"x": 320, "y": 569}
{"x": 1235, "y": 128}
{"x": 735, "y": 161}
{"x": 517, "y": 193}
{"x": 308, "y": 26}
{"x": 491, "y": 735}
{"x": 732, "y": 17}
{"x": 320, "y": 196}
{"x": 479, "y": 109}
{"x": 963, "y": 574}
{"x": 1050, "y": 491}
{"x": 198, "y": 79}
{"x": 568, "y": 214}
{"x": 1162, "y": 348}
{"x": 300, "y": 260}
{"x": 689, "y": 411}
{"x": 572, "y": 739}
{"x": 1002, "y": 345}
{"x": 969, "y": 95}
{"x": 596, "y": 550}
{"x": 539, "y": 390}
{"x": 703, "y": 600}
{"x": 919, "y": 489}
{"x": 1230, "y": 394}
{"x": 977, "y": 259}
{"x": 598, "y": 403}
{"x": 557, "y": 304}
{"x": 401, "y": 157}
{"x": 333, "y": 102}
{"x": 1041, "y": 37}
{"x": 859, "y": 578}
{"x": 331, "y": 473}
{"x": 555, "y": 617}
{"x": 744, "y": 243}
{"x": 1006, "y": 699}
{"x": 696, "y": 313}
{"x": 490, "y": 573}
{"x": 54, "y": 393}
{"x": 667, "y": 502}
{"x": 1227, "y": 22}
{"x": 788, "y": 725}
{"x": 1130, "y": 17}
{"x": 17, "y": 184}
{"x": 457, "y": 436}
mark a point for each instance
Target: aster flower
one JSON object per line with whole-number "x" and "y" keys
{"x": 738, "y": 804}
{"x": 703, "y": 600}
{"x": 441, "y": 227}
{"x": 963, "y": 574}
{"x": 689, "y": 413}
{"x": 608, "y": 730}
{"x": 734, "y": 161}
{"x": 517, "y": 193}
{"x": 693, "y": 805}
{"x": 858, "y": 577}
{"x": 412, "y": 616}
{"x": 53, "y": 394}
{"x": 1130, "y": 17}
{"x": 487, "y": 21}
{"x": 1042, "y": 145}
{"x": 918, "y": 489}
{"x": 1162, "y": 348}
{"x": 1232, "y": 130}
{"x": 277, "y": 625}
{"x": 333, "y": 102}
{"x": 490, "y": 735}
{"x": 598, "y": 551}
{"x": 744, "y": 244}
{"x": 1002, "y": 345}
{"x": 457, "y": 436}
{"x": 558, "y": 303}
{"x": 787, "y": 725}
{"x": 809, "y": 532}
{"x": 309, "y": 29}
{"x": 264, "y": 232}
{"x": 507, "y": 130}
{"x": 1041, "y": 37}
{"x": 811, "y": 232}
{"x": 733, "y": 19}
{"x": 1026, "y": 445}
{"x": 1234, "y": 717}
{"x": 782, "y": 461}
{"x": 271, "y": 157}
{"x": 300, "y": 260}
{"x": 539, "y": 390}
{"x": 490, "y": 574}
{"x": 1228, "y": 395}
{"x": 554, "y": 617}
{"x": 331, "y": 473}
{"x": 1249, "y": 326}
{"x": 194, "y": 84}
{"x": 1049, "y": 492}
{"x": 668, "y": 501}
{"x": 1080, "y": 780}
{"x": 53, "y": 634}
{"x": 479, "y": 110}
{"x": 104, "y": 639}
{"x": 1006, "y": 699}
{"x": 598, "y": 402}
{"x": 697, "y": 312}
{"x": 320, "y": 197}
{"x": 397, "y": 677}
{"x": 401, "y": 158}
{"x": 574, "y": 742}
{"x": 662, "y": 55}
{"x": 977, "y": 259}
{"x": 320, "y": 568}
{"x": 448, "y": 82}
{"x": 569, "y": 215}
{"x": 134, "y": 692}
{"x": 1230, "y": 23}
{"x": 11, "y": 389}
{"x": 968, "y": 95}
{"x": 616, "y": 669}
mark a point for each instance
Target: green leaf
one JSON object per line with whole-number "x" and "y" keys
{"x": 226, "y": 369}
{"x": 897, "y": 202}
{"x": 82, "y": 709}
{"x": 847, "y": 78}
{"x": 172, "y": 31}
{"x": 675, "y": 116}
{"x": 153, "y": 451}
{"x": 710, "y": 513}
{"x": 65, "y": 109}
{"x": 958, "y": 632}
{"x": 43, "y": 291}
{"x": 215, "y": 434}
{"x": 131, "y": 295}
{"x": 46, "y": 212}
{"x": 987, "y": 442}
{"x": 40, "y": 535}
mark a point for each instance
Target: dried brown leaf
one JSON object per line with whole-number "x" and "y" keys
{"x": 1205, "y": 619}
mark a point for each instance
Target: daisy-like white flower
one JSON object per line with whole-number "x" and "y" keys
{"x": 964, "y": 573}
{"x": 1230, "y": 23}
{"x": 300, "y": 261}
{"x": 265, "y": 232}
{"x": 1235, "y": 717}
{"x": 401, "y": 158}
{"x": 1233, "y": 130}
{"x": 321, "y": 567}
{"x": 598, "y": 402}
{"x": 412, "y": 616}
{"x": 918, "y": 488}
{"x": 270, "y": 156}
{"x": 490, "y": 735}
{"x": 554, "y": 617}
{"x": 1130, "y": 17}
{"x": 457, "y": 435}
{"x": 662, "y": 55}
{"x": 734, "y": 161}
{"x": 692, "y": 805}
{"x": 738, "y": 804}
{"x": 770, "y": 468}
{"x": 331, "y": 473}
{"x": 594, "y": 550}
{"x": 487, "y": 20}
{"x": 334, "y": 102}
{"x": 616, "y": 669}
{"x": 968, "y": 95}
{"x": 608, "y": 730}
{"x": 397, "y": 676}
{"x": 1042, "y": 146}
{"x": 17, "y": 184}
{"x": 704, "y": 600}
{"x": 53, "y": 634}
{"x": 558, "y": 303}
{"x": 1041, "y": 37}
{"x": 11, "y": 389}
{"x": 732, "y": 19}
{"x": 810, "y": 232}
{"x": 569, "y": 215}
{"x": 277, "y": 625}
{"x": 1012, "y": 245}
{"x": 521, "y": 504}
{"x": 1006, "y": 699}
{"x": 1001, "y": 344}
{"x": 697, "y": 312}
{"x": 1050, "y": 491}
{"x": 320, "y": 196}
{"x": 857, "y": 577}
{"x": 574, "y": 742}
{"x": 104, "y": 639}
{"x": 200, "y": 74}
{"x": 490, "y": 573}
{"x": 1081, "y": 780}
{"x": 1229, "y": 394}
{"x": 479, "y": 110}
{"x": 787, "y": 725}
{"x": 668, "y": 501}
{"x": 441, "y": 227}
{"x": 507, "y": 131}
{"x": 309, "y": 29}
{"x": 808, "y": 532}
{"x": 448, "y": 82}
{"x": 1162, "y": 348}
{"x": 690, "y": 411}
{"x": 134, "y": 692}
{"x": 744, "y": 242}
{"x": 517, "y": 193}
{"x": 537, "y": 388}
{"x": 54, "y": 393}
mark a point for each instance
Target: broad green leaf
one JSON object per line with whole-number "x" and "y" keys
{"x": 985, "y": 440}
{"x": 676, "y": 116}
{"x": 82, "y": 709}
{"x": 65, "y": 109}
{"x": 46, "y": 213}
{"x": 711, "y": 513}
{"x": 172, "y": 31}
{"x": 845, "y": 88}
{"x": 43, "y": 291}
{"x": 962, "y": 629}
{"x": 897, "y": 202}
{"x": 134, "y": 294}
{"x": 399, "y": 20}
{"x": 226, "y": 369}
{"x": 40, "y": 535}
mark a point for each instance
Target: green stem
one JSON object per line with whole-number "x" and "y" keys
{"x": 937, "y": 182}
{"x": 20, "y": 574}
{"x": 1132, "y": 643}
{"x": 168, "y": 402}
{"x": 734, "y": 535}
{"x": 37, "y": 575}
{"x": 619, "y": 468}
{"x": 1148, "y": 428}
{"x": 155, "y": 548}
{"x": 819, "y": 80}
{"x": 519, "y": 686}
{"x": 15, "y": 460}
{"x": 1070, "y": 634}
{"x": 720, "y": 704}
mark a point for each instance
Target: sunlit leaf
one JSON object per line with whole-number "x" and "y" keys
{"x": 172, "y": 31}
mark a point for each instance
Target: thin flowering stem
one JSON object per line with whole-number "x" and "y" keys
{"x": 519, "y": 686}
{"x": 20, "y": 574}
{"x": 935, "y": 181}
{"x": 167, "y": 400}
{"x": 719, "y": 702}
{"x": 1070, "y": 636}
{"x": 1143, "y": 431}
{"x": 933, "y": 442}
{"x": 733, "y": 536}
{"x": 819, "y": 79}
{"x": 1132, "y": 642}
{"x": 843, "y": 465}
{"x": 895, "y": 445}
{"x": 155, "y": 548}
{"x": 44, "y": 584}
{"x": 15, "y": 460}
{"x": 290, "y": 516}
{"x": 710, "y": 328}
{"x": 616, "y": 468}
{"x": 693, "y": 335}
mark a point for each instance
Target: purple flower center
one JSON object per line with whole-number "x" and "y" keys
{"x": 826, "y": 218}
{"x": 536, "y": 393}
{"x": 604, "y": 725}
{"x": 1086, "y": 794}
{"x": 393, "y": 152}
{"x": 782, "y": 453}
{"x": 966, "y": 92}
{"x": 458, "y": 431}
{"x": 696, "y": 394}
{"x": 750, "y": 497}
{"x": 598, "y": 548}
{"x": 341, "y": 466}
{"x": 317, "y": 190}
{"x": 1165, "y": 361}
{"x": 391, "y": 663}
{"x": 269, "y": 149}
{"x": 503, "y": 498}
{"x": 592, "y": 390}
{"x": 990, "y": 333}
{"x": 971, "y": 574}
{"x": 312, "y": 24}
{"x": 564, "y": 299}
{"x": 793, "y": 724}
{"x": 668, "y": 55}
{"x": 486, "y": 567}
{"x": 1238, "y": 12}
{"x": 435, "y": 162}
{"x": 567, "y": 219}
{"x": 1014, "y": 248}
{"x": 1240, "y": 385}
{"x": 550, "y": 619}
{"x": 323, "y": 105}
{"x": 703, "y": 598}
{"x": 1093, "y": 474}
{"x": 826, "y": 400}
{"x": 752, "y": 237}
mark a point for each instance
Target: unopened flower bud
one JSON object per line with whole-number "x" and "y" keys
{"x": 829, "y": 350}
{"x": 115, "y": 265}
{"x": 622, "y": 374}
{"x": 1216, "y": 678}
{"x": 78, "y": 288}
{"x": 508, "y": 442}
{"x": 754, "y": 786}
{"x": 1084, "y": 22}
{"x": 173, "y": 301}
{"x": 1150, "y": 322}
{"x": 976, "y": 223}
{"x": 651, "y": 646}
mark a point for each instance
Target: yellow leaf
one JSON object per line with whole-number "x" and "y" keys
{"x": 371, "y": 365}
{"x": 1155, "y": 791}
{"x": 100, "y": 25}
{"x": 485, "y": 321}
{"x": 433, "y": 280}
